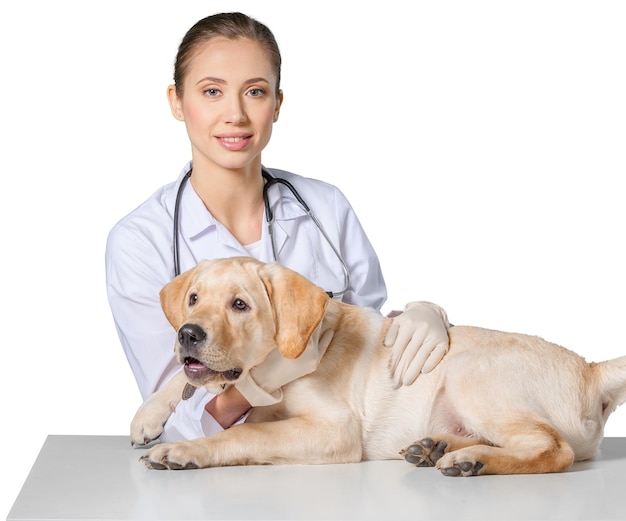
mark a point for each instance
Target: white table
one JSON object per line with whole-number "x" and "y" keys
{"x": 100, "y": 477}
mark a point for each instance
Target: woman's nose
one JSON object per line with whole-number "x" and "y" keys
{"x": 235, "y": 112}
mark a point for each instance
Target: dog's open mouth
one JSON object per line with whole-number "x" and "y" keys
{"x": 196, "y": 371}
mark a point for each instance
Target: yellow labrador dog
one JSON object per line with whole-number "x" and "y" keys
{"x": 498, "y": 403}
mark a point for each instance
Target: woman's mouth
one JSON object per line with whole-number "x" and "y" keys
{"x": 234, "y": 143}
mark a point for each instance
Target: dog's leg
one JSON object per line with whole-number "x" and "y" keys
{"x": 525, "y": 447}
{"x": 147, "y": 425}
{"x": 293, "y": 441}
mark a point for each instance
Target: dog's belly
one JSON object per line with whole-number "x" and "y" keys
{"x": 393, "y": 419}
{"x": 486, "y": 379}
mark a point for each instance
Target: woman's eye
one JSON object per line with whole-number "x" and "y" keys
{"x": 255, "y": 93}
{"x": 240, "y": 305}
{"x": 193, "y": 298}
{"x": 212, "y": 92}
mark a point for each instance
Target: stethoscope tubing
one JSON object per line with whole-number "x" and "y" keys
{"x": 270, "y": 181}
{"x": 176, "y": 226}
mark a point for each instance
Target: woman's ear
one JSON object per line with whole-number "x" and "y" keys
{"x": 176, "y": 104}
{"x": 279, "y": 103}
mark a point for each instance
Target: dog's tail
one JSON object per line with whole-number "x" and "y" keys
{"x": 611, "y": 383}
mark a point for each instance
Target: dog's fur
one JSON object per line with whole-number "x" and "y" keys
{"x": 498, "y": 403}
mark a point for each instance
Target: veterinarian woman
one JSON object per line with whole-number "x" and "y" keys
{"x": 227, "y": 92}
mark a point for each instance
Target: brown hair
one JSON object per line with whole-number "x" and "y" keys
{"x": 228, "y": 25}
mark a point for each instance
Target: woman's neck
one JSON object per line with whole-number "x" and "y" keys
{"x": 234, "y": 198}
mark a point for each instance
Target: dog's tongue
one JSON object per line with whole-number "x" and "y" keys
{"x": 195, "y": 369}
{"x": 194, "y": 364}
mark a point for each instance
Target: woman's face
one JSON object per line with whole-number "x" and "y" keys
{"x": 229, "y": 103}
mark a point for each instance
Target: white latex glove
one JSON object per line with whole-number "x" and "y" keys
{"x": 418, "y": 339}
{"x": 262, "y": 386}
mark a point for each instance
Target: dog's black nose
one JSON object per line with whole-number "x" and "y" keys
{"x": 190, "y": 335}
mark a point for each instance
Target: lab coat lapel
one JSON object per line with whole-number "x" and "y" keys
{"x": 287, "y": 213}
{"x": 202, "y": 234}
{"x": 280, "y": 237}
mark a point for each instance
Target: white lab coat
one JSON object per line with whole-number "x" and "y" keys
{"x": 139, "y": 262}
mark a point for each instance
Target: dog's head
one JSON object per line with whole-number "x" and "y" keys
{"x": 230, "y": 313}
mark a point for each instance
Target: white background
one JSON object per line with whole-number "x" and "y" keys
{"x": 482, "y": 144}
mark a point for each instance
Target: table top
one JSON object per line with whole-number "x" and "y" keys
{"x": 100, "y": 477}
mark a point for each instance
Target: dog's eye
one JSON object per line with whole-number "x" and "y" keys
{"x": 193, "y": 298}
{"x": 240, "y": 305}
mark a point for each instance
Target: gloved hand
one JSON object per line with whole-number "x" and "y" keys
{"x": 262, "y": 386}
{"x": 418, "y": 339}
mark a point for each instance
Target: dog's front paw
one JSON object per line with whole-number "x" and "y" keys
{"x": 424, "y": 453}
{"x": 147, "y": 425}
{"x": 171, "y": 456}
{"x": 142, "y": 434}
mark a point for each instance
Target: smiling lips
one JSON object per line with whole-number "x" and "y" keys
{"x": 234, "y": 143}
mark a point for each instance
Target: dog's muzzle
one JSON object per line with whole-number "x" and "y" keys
{"x": 191, "y": 338}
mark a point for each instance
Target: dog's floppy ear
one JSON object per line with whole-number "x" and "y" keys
{"x": 298, "y": 306}
{"x": 173, "y": 297}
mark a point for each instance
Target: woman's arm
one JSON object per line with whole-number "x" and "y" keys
{"x": 134, "y": 278}
{"x": 228, "y": 407}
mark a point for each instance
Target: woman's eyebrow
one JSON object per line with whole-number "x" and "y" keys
{"x": 213, "y": 79}
{"x": 256, "y": 80}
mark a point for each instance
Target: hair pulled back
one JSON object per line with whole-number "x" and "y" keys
{"x": 227, "y": 25}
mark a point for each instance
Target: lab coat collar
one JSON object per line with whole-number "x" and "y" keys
{"x": 287, "y": 212}
{"x": 196, "y": 220}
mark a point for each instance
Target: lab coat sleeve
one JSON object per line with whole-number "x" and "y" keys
{"x": 135, "y": 274}
{"x": 367, "y": 284}
{"x": 133, "y": 287}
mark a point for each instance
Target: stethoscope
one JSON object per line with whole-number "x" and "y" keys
{"x": 270, "y": 181}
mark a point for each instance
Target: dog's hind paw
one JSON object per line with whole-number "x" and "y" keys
{"x": 462, "y": 468}
{"x": 424, "y": 453}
